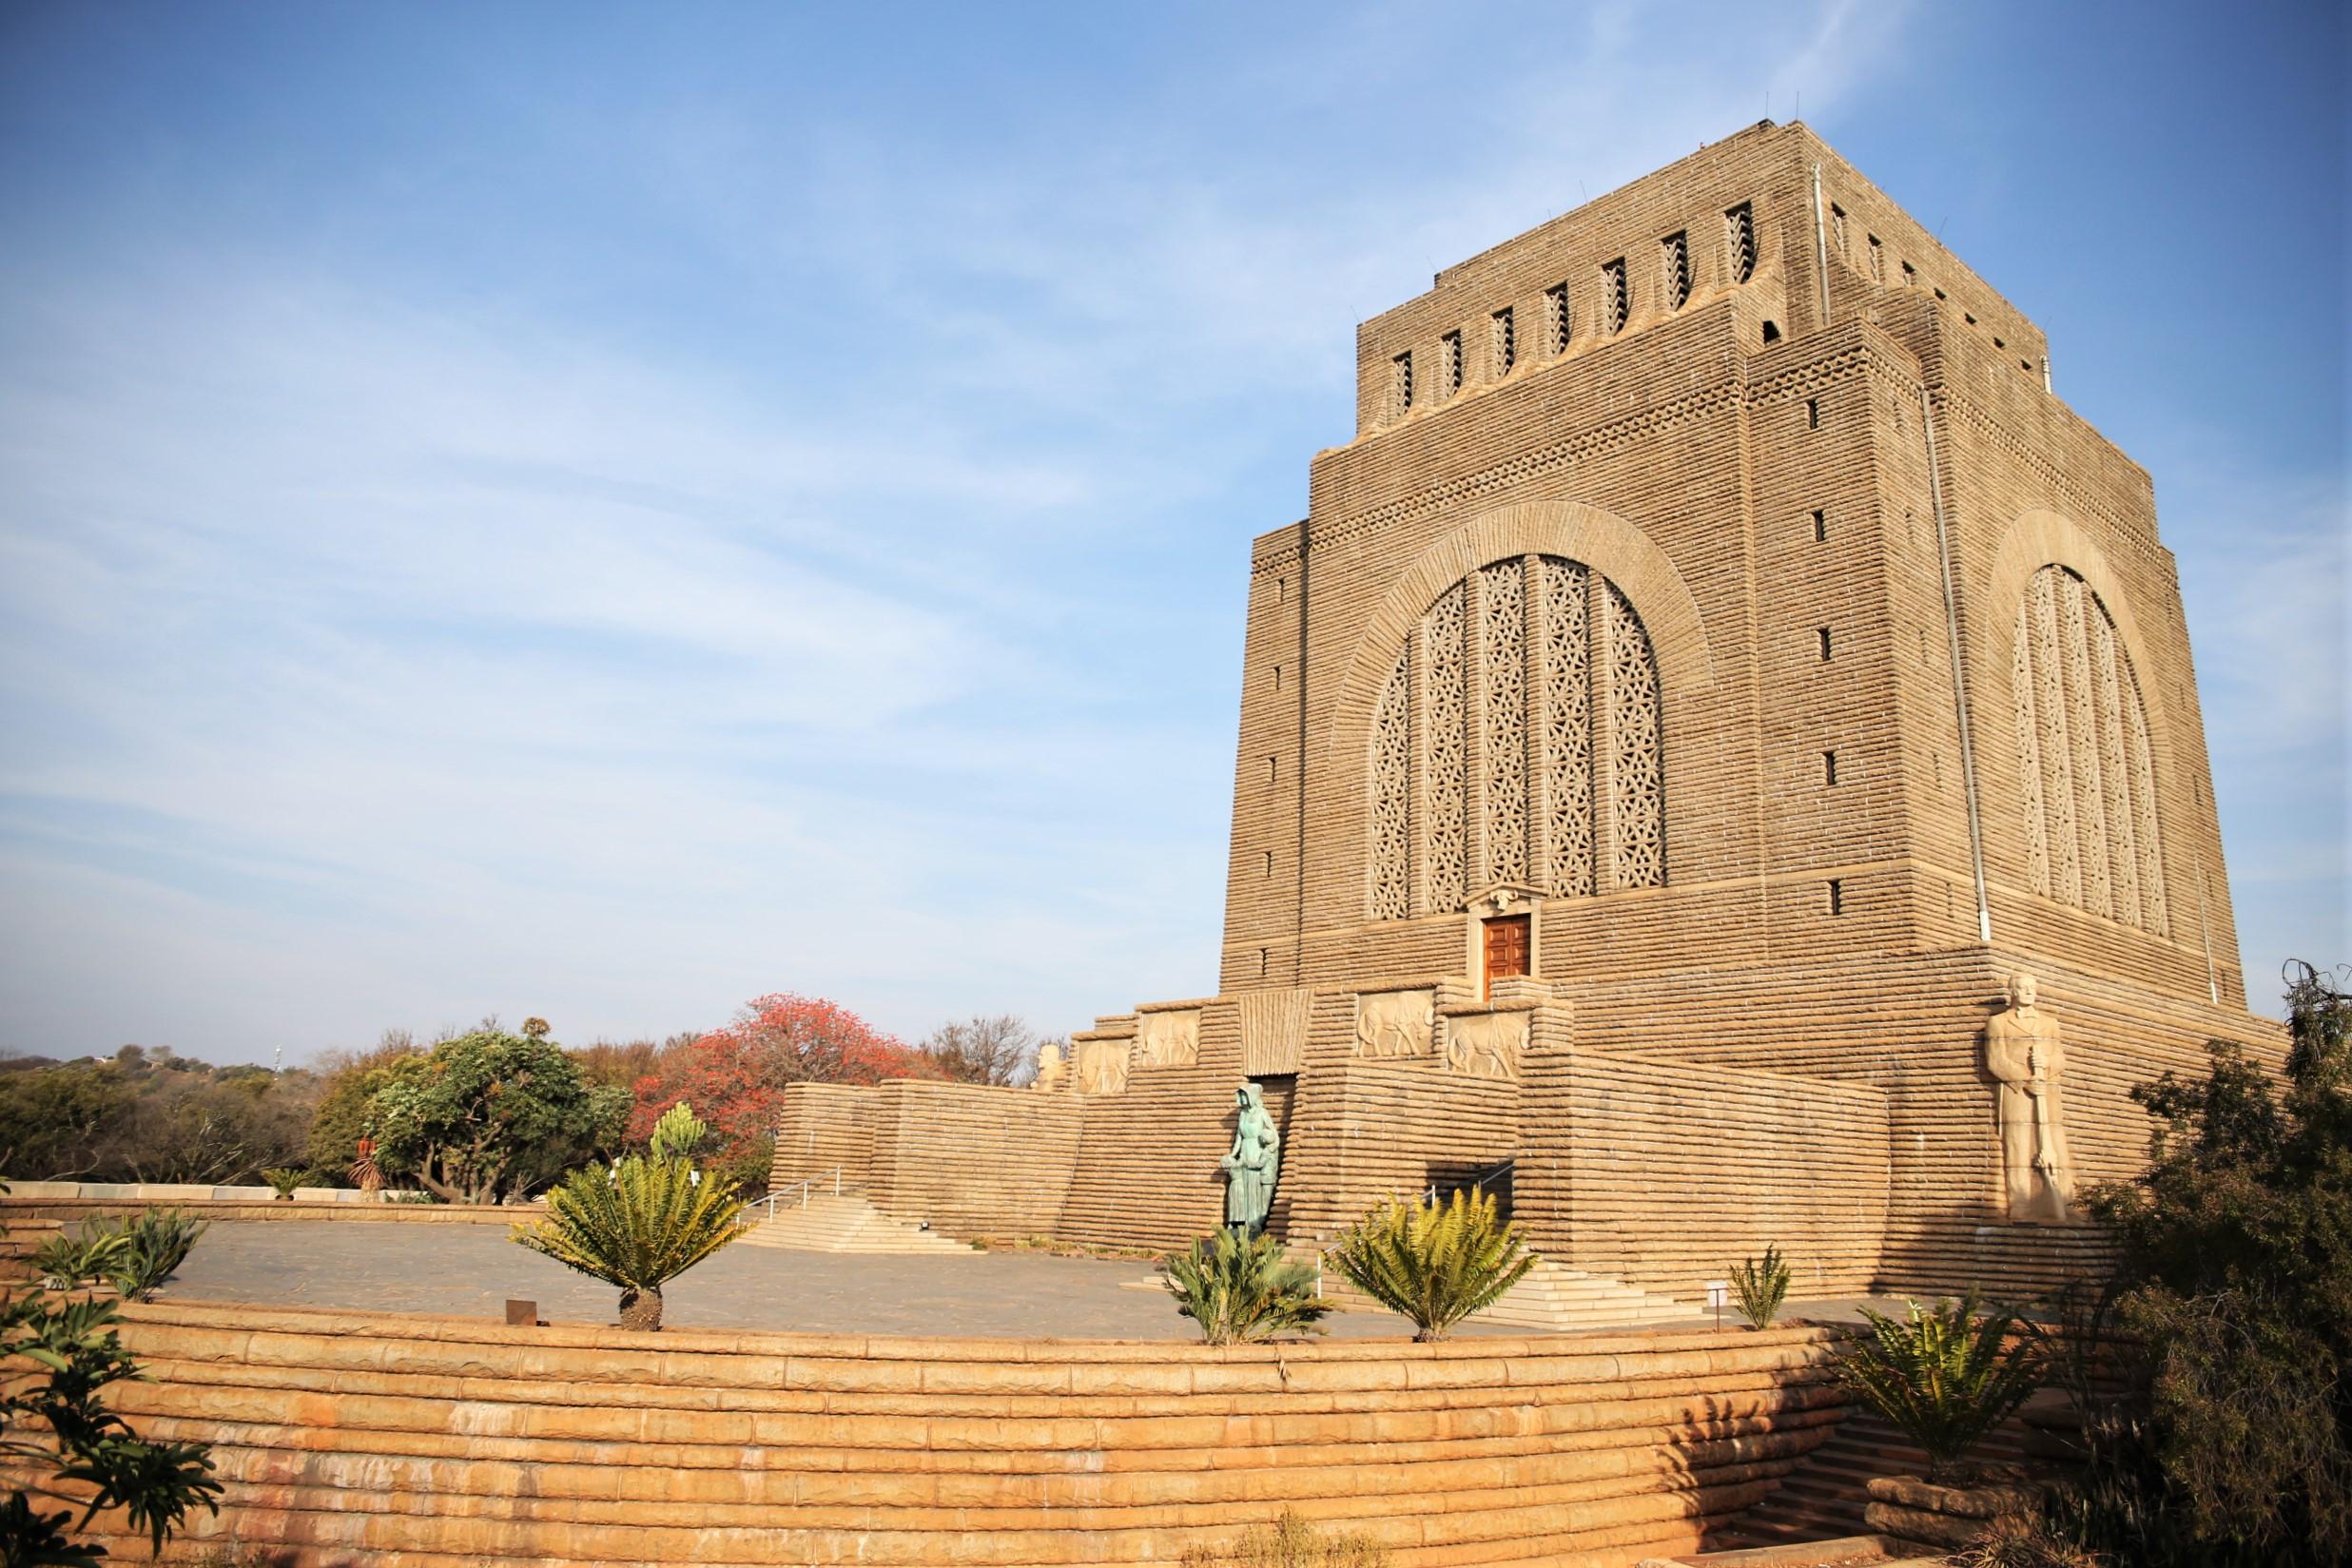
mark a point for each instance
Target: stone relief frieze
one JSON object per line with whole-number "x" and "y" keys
{"x": 1101, "y": 1066}
{"x": 1394, "y": 1023}
{"x": 1486, "y": 1045}
{"x": 1168, "y": 1040}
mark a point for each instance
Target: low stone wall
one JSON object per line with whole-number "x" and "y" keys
{"x": 165, "y": 1194}
{"x": 1666, "y": 1173}
{"x": 423, "y": 1443}
{"x": 70, "y": 1210}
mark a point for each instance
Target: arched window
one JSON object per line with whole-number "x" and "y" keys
{"x": 1518, "y": 741}
{"x": 2088, "y": 780}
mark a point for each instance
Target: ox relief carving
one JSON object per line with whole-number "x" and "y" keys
{"x": 1394, "y": 1023}
{"x": 1101, "y": 1066}
{"x": 1168, "y": 1040}
{"x": 1486, "y": 1045}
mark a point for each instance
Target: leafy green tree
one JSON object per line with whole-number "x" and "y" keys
{"x": 1435, "y": 1263}
{"x": 66, "y": 1355}
{"x": 2232, "y": 1444}
{"x": 637, "y": 1225}
{"x": 347, "y": 1109}
{"x": 1242, "y": 1288}
{"x": 488, "y": 1116}
{"x": 53, "y": 1118}
{"x": 1945, "y": 1377}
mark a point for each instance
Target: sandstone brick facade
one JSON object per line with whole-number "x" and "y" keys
{"x": 1714, "y": 575}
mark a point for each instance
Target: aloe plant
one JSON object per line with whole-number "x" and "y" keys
{"x": 1240, "y": 1288}
{"x": 89, "y": 1254}
{"x": 637, "y": 1225}
{"x": 159, "y": 1240}
{"x": 1945, "y": 1377}
{"x": 134, "y": 1254}
{"x": 1761, "y": 1286}
{"x": 1434, "y": 1263}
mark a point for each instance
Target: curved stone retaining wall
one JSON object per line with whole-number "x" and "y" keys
{"x": 415, "y": 1442}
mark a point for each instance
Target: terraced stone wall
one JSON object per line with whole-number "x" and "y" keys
{"x": 428, "y": 1443}
{"x": 1664, "y": 1173}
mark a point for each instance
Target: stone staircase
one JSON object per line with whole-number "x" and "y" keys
{"x": 848, "y": 1224}
{"x": 1825, "y": 1495}
{"x": 1557, "y": 1299}
{"x": 1553, "y": 1299}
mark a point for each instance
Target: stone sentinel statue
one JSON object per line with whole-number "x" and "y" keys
{"x": 1250, "y": 1170}
{"x": 2023, "y": 1054}
{"x": 1052, "y": 1068}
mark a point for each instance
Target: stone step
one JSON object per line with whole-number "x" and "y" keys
{"x": 848, "y": 1224}
{"x": 1827, "y": 1492}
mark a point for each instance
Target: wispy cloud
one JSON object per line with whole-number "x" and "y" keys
{"x": 820, "y": 567}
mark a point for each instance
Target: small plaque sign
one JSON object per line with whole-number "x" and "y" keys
{"x": 522, "y": 1314}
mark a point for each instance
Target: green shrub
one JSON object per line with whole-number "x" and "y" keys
{"x": 637, "y": 1225}
{"x": 1290, "y": 1542}
{"x": 1242, "y": 1288}
{"x": 285, "y": 1179}
{"x": 2230, "y": 1444}
{"x": 63, "y": 1355}
{"x": 1761, "y": 1286}
{"x": 1434, "y": 1263}
{"x": 1946, "y": 1377}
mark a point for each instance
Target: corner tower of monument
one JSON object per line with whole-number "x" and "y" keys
{"x": 1716, "y": 667}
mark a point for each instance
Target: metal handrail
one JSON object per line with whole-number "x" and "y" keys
{"x": 803, "y": 1188}
{"x": 1477, "y": 1184}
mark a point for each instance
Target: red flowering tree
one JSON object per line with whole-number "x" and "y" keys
{"x": 735, "y": 1077}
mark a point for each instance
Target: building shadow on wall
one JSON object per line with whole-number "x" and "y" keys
{"x": 1727, "y": 1458}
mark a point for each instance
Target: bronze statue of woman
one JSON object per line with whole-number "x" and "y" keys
{"x": 1250, "y": 1169}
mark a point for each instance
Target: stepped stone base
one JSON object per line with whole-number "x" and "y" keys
{"x": 848, "y": 1224}
{"x": 418, "y": 1442}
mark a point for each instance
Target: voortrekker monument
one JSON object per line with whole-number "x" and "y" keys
{"x": 1722, "y": 722}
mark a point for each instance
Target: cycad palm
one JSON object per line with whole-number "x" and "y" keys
{"x": 1945, "y": 1378}
{"x": 638, "y": 1224}
{"x": 1241, "y": 1288}
{"x": 1434, "y": 1263}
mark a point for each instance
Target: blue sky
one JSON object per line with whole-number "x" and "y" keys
{"x": 605, "y": 512}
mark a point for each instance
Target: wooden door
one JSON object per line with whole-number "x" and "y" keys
{"x": 1507, "y": 937}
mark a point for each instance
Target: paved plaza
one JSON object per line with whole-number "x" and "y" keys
{"x": 471, "y": 1271}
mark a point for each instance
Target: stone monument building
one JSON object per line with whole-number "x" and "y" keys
{"x": 1717, "y": 664}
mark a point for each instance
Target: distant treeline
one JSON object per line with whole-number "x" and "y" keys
{"x": 482, "y": 1115}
